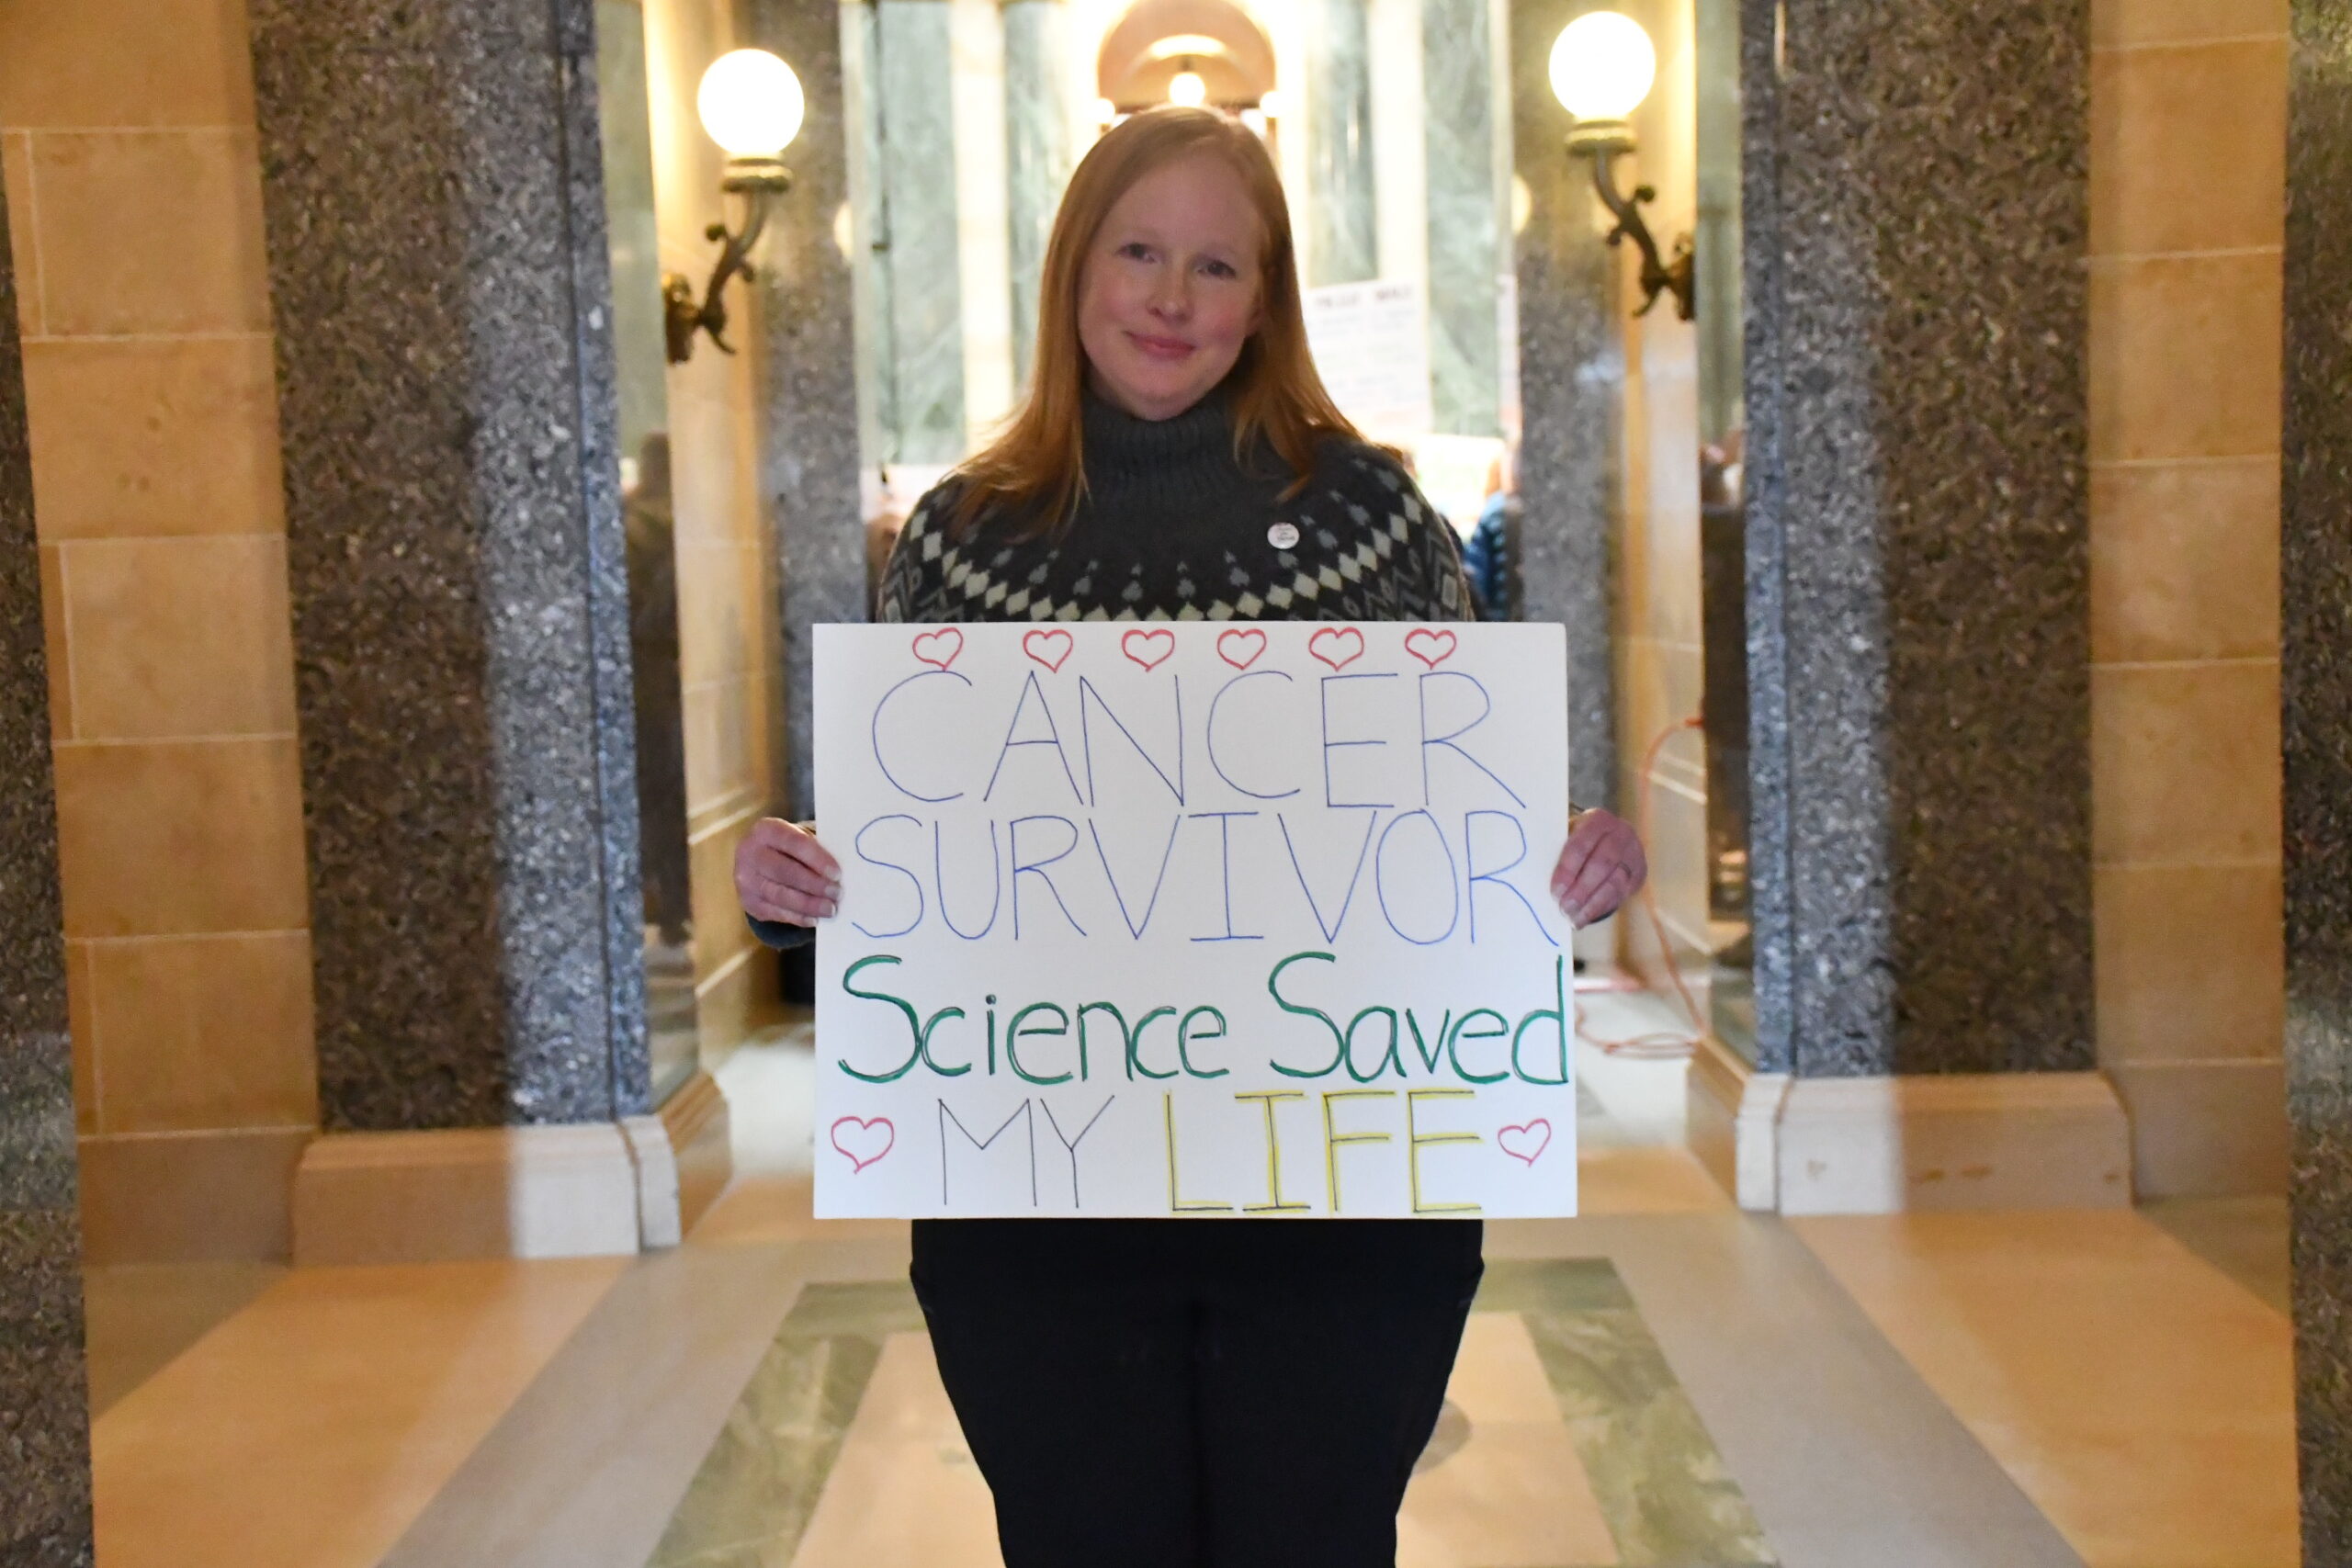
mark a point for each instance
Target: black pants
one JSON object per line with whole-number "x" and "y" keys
{"x": 1197, "y": 1394}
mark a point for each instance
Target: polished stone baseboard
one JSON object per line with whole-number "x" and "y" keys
{"x": 214, "y": 1196}
{"x": 1878, "y": 1146}
{"x": 683, "y": 1160}
{"x": 1730, "y": 1113}
{"x": 2206, "y": 1129}
{"x": 591, "y": 1189}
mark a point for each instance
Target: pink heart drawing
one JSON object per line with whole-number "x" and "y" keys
{"x": 1039, "y": 646}
{"x": 940, "y": 648}
{"x": 1227, "y": 643}
{"x": 863, "y": 1140}
{"x": 1431, "y": 649}
{"x": 1346, "y": 637}
{"x": 1158, "y": 646}
{"x": 1536, "y": 1134}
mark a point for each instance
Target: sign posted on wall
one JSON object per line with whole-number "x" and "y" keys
{"x": 1193, "y": 920}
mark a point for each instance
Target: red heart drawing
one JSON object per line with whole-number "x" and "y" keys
{"x": 939, "y": 647}
{"x": 1058, "y": 643}
{"x": 1345, "y": 637}
{"x": 1420, "y": 643}
{"x": 1159, "y": 648}
{"x": 1252, "y": 639}
{"x": 865, "y": 1125}
{"x": 1527, "y": 1134}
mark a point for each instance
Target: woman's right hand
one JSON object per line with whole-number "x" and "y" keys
{"x": 781, "y": 872}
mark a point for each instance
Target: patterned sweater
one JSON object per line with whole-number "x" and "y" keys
{"x": 1174, "y": 527}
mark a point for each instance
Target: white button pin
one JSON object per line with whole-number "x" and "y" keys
{"x": 1283, "y": 535}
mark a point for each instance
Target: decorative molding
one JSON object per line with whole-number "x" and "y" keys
{"x": 1881, "y": 1145}
{"x": 582, "y": 1189}
{"x": 683, "y": 1160}
{"x": 2206, "y": 1129}
{"x": 1876, "y": 1146}
{"x": 210, "y": 1195}
{"x": 1733, "y": 1113}
{"x": 549, "y": 1192}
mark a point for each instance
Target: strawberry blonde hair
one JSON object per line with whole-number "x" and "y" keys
{"x": 1036, "y": 468}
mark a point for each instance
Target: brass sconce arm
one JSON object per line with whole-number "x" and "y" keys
{"x": 1602, "y": 144}
{"x": 759, "y": 181}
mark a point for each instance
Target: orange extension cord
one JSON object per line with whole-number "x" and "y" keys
{"x": 1654, "y": 1046}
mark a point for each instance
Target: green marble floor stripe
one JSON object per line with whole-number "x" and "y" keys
{"x": 750, "y": 1501}
{"x": 1662, "y": 1487}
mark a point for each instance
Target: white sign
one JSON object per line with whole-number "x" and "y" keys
{"x": 1192, "y": 919}
{"x": 1371, "y": 344}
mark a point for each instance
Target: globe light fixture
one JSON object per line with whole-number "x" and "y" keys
{"x": 750, "y": 103}
{"x": 1602, "y": 66}
{"x": 1187, "y": 89}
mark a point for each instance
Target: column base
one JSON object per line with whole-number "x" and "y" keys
{"x": 1879, "y": 1146}
{"x": 595, "y": 1190}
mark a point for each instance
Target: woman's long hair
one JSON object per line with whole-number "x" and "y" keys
{"x": 1034, "y": 473}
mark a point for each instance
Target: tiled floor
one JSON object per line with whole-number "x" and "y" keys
{"x": 1663, "y": 1381}
{"x": 1566, "y": 1441}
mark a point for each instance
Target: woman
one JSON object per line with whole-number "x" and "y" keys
{"x": 1149, "y": 1392}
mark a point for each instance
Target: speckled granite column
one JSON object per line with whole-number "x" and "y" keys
{"x": 2316, "y": 676}
{"x": 810, "y": 442}
{"x": 1915, "y": 197}
{"x": 44, "y": 1399}
{"x": 1571, "y": 385}
{"x": 441, "y": 280}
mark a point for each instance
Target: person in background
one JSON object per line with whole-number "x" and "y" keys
{"x": 1158, "y": 1394}
{"x": 1491, "y": 555}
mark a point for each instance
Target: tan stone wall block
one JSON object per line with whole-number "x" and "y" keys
{"x": 2186, "y": 760}
{"x": 2190, "y": 960}
{"x": 2126, "y": 22}
{"x": 192, "y": 261}
{"x": 125, "y": 62}
{"x": 181, "y": 638}
{"x": 2185, "y": 357}
{"x": 16, "y": 175}
{"x": 55, "y": 652}
{"x": 155, "y": 437}
{"x": 204, "y": 1031}
{"x": 78, "y": 984}
{"x": 2185, "y": 561}
{"x": 2189, "y": 148}
{"x": 170, "y": 838}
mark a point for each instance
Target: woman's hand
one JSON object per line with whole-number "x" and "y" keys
{"x": 1600, "y": 867}
{"x": 781, "y": 872}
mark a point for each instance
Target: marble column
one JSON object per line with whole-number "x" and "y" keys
{"x": 44, "y": 1396}
{"x": 1915, "y": 223}
{"x": 1469, "y": 213}
{"x": 809, "y": 434}
{"x": 903, "y": 190}
{"x": 1038, "y": 156}
{"x": 2316, "y": 676}
{"x": 1571, "y": 386}
{"x": 1342, "y": 216}
{"x": 441, "y": 281}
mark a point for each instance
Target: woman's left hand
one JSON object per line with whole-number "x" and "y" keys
{"x": 1600, "y": 867}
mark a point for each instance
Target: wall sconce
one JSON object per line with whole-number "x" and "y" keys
{"x": 750, "y": 104}
{"x": 1602, "y": 66}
